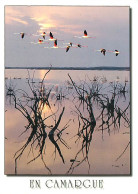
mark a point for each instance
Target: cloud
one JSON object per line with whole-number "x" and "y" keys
{"x": 11, "y": 19}
{"x": 13, "y": 15}
{"x": 69, "y": 18}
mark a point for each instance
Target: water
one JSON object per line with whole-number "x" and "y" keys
{"x": 102, "y": 144}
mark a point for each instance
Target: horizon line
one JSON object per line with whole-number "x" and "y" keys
{"x": 74, "y": 68}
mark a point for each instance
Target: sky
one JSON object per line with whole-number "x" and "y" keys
{"x": 110, "y": 27}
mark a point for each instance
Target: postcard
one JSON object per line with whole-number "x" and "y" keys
{"x": 67, "y": 95}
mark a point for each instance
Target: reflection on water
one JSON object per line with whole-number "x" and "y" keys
{"x": 67, "y": 122}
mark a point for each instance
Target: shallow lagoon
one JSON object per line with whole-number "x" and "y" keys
{"x": 106, "y": 145}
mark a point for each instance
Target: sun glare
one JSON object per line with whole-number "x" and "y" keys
{"x": 42, "y": 74}
{"x": 44, "y": 23}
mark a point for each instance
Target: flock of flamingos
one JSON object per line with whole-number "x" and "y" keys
{"x": 67, "y": 46}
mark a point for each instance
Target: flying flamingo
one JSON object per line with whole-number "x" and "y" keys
{"x": 67, "y": 48}
{"x": 55, "y": 45}
{"x": 73, "y": 46}
{"x": 44, "y": 34}
{"x": 69, "y": 43}
{"x": 40, "y": 41}
{"x": 22, "y": 34}
{"x": 52, "y": 37}
{"x": 80, "y": 46}
{"x": 116, "y": 52}
{"x": 103, "y": 51}
{"x": 85, "y": 35}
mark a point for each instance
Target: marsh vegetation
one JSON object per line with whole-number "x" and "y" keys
{"x": 58, "y": 115}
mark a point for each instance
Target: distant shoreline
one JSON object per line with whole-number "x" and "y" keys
{"x": 74, "y": 68}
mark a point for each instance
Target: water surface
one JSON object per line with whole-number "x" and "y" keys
{"x": 110, "y": 137}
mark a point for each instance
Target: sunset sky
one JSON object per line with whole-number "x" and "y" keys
{"x": 110, "y": 26}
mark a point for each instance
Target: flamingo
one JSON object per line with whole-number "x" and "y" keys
{"x": 51, "y": 36}
{"x": 76, "y": 46}
{"x": 85, "y": 35}
{"x": 43, "y": 35}
{"x": 22, "y": 34}
{"x": 103, "y": 51}
{"x": 40, "y": 41}
{"x": 79, "y": 46}
{"x": 55, "y": 45}
{"x": 69, "y": 43}
{"x": 116, "y": 52}
{"x": 67, "y": 48}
